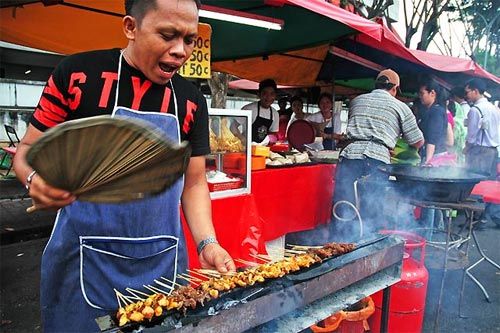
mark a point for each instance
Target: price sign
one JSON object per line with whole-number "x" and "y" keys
{"x": 198, "y": 65}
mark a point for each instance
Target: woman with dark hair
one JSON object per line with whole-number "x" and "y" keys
{"x": 322, "y": 121}
{"x": 297, "y": 109}
{"x": 434, "y": 124}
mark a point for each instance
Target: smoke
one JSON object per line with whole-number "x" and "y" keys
{"x": 389, "y": 203}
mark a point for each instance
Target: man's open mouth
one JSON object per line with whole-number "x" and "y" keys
{"x": 168, "y": 68}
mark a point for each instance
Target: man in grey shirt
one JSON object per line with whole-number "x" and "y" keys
{"x": 376, "y": 120}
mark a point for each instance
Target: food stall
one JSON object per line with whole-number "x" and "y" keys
{"x": 252, "y": 207}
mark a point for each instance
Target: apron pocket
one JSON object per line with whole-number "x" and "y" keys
{"x": 116, "y": 262}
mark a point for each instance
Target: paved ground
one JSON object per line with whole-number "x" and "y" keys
{"x": 23, "y": 237}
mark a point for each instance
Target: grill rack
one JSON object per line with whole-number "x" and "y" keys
{"x": 293, "y": 302}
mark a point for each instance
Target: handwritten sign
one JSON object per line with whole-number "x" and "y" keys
{"x": 198, "y": 65}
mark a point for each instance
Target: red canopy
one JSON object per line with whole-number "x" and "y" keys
{"x": 392, "y": 44}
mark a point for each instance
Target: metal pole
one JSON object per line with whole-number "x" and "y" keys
{"x": 333, "y": 96}
{"x": 386, "y": 297}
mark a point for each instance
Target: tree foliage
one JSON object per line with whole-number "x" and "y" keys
{"x": 481, "y": 19}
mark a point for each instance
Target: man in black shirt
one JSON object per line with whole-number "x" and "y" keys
{"x": 95, "y": 248}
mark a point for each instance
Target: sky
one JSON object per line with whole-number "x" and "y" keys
{"x": 451, "y": 32}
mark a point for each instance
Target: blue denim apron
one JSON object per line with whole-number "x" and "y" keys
{"x": 95, "y": 248}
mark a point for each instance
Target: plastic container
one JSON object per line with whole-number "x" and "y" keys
{"x": 280, "y": 147}
{"x": 347, "y": 321}
{"x": 258, "y": 163}
{"x": 260, "y": 151}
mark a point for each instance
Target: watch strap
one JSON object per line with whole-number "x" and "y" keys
{"x": 205, "y": 242}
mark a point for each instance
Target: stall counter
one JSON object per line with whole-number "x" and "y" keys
{"x": 281, "y": 201}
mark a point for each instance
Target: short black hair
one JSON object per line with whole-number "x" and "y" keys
{"x": 476, "y": 84}
{"x": 139, "y": 8}
{"x": 296, "y": 98}
{"x": 458, "y": 91}
{"x": 323, "y": 95}
{"x": 382, "y": 82}
{"x": 267, "y": 83}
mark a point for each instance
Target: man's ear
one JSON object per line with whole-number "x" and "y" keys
{"x": 129, "y": 27}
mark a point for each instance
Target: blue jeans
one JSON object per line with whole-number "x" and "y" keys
{"x": 371, "y": 184}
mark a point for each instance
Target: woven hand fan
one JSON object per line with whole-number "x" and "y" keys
{"x": 108, "y": 159}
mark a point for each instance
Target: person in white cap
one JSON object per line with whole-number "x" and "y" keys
{"x": 376, "y": 121}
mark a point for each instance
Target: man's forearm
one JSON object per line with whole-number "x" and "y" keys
{"x": 196, "y": 202}
{"x": 198, "y": 211}
{"x": 21, "y": 167}
{"x": 429, "y": 152}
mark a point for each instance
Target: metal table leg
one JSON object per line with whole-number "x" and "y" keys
{"x": 386, "y": 297}
{"x": 483, "y": 257}
{"x": 445, "y": 269}
{"x": 469, "y": 233}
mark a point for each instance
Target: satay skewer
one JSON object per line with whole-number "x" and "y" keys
{"x": 130, "y": 290}
{"x": 155, "y": 290}
{"x": 198, "y": 273}
{"x": 169, "y": 281}
{"x": 192, "y": 277}
{"x": 246, "y": 262}
{"x": 118, "y": 298}
{"x": 294, "y": 251}
{"x": 257, "y": 256}
{"x": 209, "y": 272}
{"x": 305, "y": 247}
{"x": 136, "y": 296}
{"x": 122, "y": 297}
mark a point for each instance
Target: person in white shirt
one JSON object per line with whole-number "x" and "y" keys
{"x": 458, "y": 95}
{"x": 265, "y": 119}
{"x": 483, "y": 130}
{"x": 297, "y": 110}
{"x": 322, "y": 122}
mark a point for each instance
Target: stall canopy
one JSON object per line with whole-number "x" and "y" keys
{"x": 354, "y": 61}
{"x": 70, "y": 26}
{"x": 390, "y": 51}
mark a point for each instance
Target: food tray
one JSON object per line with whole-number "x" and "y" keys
{"x": 290, "y": 165}
{"x": 224, "y": 186}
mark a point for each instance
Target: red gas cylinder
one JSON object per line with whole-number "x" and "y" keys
{"x": 407, "y": 303}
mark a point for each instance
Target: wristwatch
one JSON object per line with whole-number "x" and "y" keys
{"x": 205, "y": 242}
{"x": 29, "y": 179}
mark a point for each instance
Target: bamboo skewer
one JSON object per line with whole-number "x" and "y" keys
{"x": 306, "y": 247}
{"x": 192, "y": 277}
{"x": 130, "y": 290}
{"x": 246, "y": 262}
{"x": 152, "y": 289}
{"x": 261, "y": 257}
{"x": 209, "y": 272}
{"x": 198, "y": 273}
{"x": 136, "y": 296}
{"x": 118, "y": 298}
{"x": 171, "y": 282}
{"x": 166, "y": 285}
{"x": 122, "y": 297}
{"x": 294, "y": 251}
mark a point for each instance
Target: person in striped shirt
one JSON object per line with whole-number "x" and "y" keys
{"x": 376, "y": 121}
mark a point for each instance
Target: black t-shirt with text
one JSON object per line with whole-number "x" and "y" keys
{"x": 83, "y": 85}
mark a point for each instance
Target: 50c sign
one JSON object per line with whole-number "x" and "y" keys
{"x": 198, "y": 65}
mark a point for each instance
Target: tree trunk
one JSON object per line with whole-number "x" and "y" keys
{"x": 218, "y": 86}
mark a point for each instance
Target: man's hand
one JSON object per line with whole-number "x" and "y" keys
{"x": 213, "y": 256}
{"x": 45, "y": 196}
